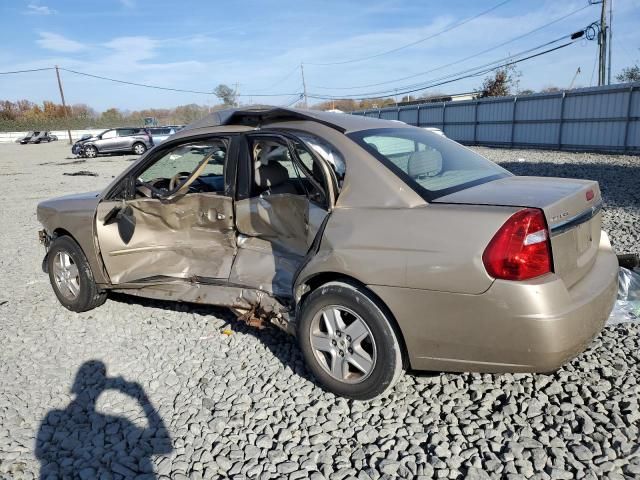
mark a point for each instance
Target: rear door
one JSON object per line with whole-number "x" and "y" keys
{"x": 282, "y": 200}
{"x": 172, "y": 218}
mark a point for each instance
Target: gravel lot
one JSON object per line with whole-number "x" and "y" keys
{"x": 181, "y": 399}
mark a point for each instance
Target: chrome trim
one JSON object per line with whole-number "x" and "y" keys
{"x": 577, "y": 219}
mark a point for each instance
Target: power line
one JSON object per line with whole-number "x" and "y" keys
{"x": 145, "y": 85}
{"x": 424, "y": 87}
{"x": 27, "y": 71}
{"x": 465, "y": 58}
{"x": 125, "y": 82}
{"x": 448, "y": 29}
{"x": 274, "y": 84}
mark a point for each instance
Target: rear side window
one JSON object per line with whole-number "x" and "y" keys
{"x": 432, "y": 165}
{"x": 127, "y": 132}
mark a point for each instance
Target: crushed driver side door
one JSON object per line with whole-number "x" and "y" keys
{"x": 153, "y": 233}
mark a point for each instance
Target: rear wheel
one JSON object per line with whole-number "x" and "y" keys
{"x": 348, "y": 341}
{"x": 71, "y": 276}
{"x": 139, "y": 148}
{"x": 90, "y": 151}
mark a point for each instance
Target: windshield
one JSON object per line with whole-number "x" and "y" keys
{"x": 430, "y": 164}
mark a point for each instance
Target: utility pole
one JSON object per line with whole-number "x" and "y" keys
{"x": 602, "y": 43}
{"x": 64, "y": 105}
{"x": 235, "y": 95}
{"x": 304, "y": 86}
{"x": 609, "y": 41}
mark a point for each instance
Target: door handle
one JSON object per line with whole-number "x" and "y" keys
{"x": 221, "y": 216}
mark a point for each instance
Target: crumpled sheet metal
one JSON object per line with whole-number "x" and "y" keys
{"x": 222, "y": 295}
{"x": 282, "y": 219}
{"x": 183, "y": 238}
{"x": 627, "y": 306}
{"x": 262, "y": 265}
{"x": 277, "y": 231}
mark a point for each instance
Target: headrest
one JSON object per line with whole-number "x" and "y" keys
{"x": 425, "y": 163}
{"x": 271, "y": 175}
{"x": 269, "y": 154}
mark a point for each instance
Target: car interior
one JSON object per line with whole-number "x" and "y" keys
{"x": 199, "y": 163}
{"x": 276, "y": 172}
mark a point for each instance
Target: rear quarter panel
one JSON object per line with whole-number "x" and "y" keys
{"x": 433, "y": 247}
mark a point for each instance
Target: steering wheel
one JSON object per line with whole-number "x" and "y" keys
{"x": 174, "y": 180}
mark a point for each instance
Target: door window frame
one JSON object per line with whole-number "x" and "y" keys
{"x": 244, "y": 165}
{"x": 125, "y": 188}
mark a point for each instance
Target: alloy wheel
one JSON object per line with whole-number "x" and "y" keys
{"x": 66, "y": 275}
{"x": 343, "y": 344}
{"x": 139, "y": 149}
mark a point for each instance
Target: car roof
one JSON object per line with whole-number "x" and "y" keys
{"x": 260, "y": 116}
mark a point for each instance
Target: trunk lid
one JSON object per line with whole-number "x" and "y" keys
{"x": 571, "y": 207}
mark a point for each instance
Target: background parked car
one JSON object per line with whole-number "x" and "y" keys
{"x": 37, "y": 137}
{"x": 115, "y": 140}
{"x": 160, "y": 134}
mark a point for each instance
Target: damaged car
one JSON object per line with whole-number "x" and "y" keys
{"x": 382, "y": 247}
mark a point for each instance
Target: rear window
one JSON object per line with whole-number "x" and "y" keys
{"x": 127, "y": 132}
{"x": 432, "y": 165}
{"x": 160, "y": 131}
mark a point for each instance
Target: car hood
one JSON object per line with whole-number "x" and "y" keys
{"x": 90, "y": 139}
{"x": 69, "y": 204}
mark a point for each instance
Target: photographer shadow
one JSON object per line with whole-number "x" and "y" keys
{"x": 80, "y": 442}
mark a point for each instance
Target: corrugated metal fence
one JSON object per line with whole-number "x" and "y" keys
{"x": 599, "y": 118}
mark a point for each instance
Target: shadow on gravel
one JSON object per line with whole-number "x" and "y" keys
{"x": 618, "y": 183}
{"x": 283, "y": 346}
{"x": 79, "y": 442}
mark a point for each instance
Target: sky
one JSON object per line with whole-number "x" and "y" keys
{"x": 259, "y": 45}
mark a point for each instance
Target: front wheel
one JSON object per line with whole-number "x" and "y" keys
{"x": 348, "y": 341}
{"x": 139, "y": 148}
{"x": 71, "y": 276}
{"x": 90, "y": 151}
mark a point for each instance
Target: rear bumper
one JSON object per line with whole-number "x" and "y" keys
{"x": 533, "y": 326}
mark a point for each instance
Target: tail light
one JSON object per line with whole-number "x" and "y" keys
{"x": 520, "y": 250}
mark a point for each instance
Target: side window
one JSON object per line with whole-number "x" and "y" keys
{"x": 200, "y": 163}
{"x": 277, "y": 171}
{"x": 109, "y": 134}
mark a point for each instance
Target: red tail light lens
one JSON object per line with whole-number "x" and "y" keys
{"x": 520, "y": 250}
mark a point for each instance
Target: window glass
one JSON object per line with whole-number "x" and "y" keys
{"x": 277, "y": 172}
{"x": 431, "y": 164}
{"x": 184, "y": 160}
{"x": 108, "y": 134}
{"x": 327, "y": 152}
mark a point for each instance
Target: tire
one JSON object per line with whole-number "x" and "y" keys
{"x": 90, "y": 151}
{"x": 375, "y": 348}
{"x": 139, "y": 148}
{"x": 76, "y": 290}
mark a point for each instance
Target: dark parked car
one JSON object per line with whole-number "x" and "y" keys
{"x": 37, "y": 137}
{"x": 381, "y": 246}
{"x": 115, "y": 140}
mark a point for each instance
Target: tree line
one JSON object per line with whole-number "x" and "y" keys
{"x": 27, "y": 115}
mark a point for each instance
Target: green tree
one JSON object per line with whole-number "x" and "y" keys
{"x": 629, "y": 74}
{"x": 504, "y": 81}
{"x": 226, "y": 94}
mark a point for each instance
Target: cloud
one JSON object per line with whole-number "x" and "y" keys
{"x": 35, "y": 9}
{"x": 58, "y": 43}
{"x": 128, "y": 3}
